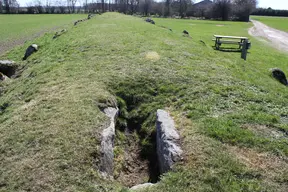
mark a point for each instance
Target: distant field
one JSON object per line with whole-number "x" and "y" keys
{"x": 280, "y": 23}
{"x": 15, "y": 29}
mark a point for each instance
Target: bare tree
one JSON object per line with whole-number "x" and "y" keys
{"x": 167, "y": 8}
{"x": 71, "y": 5}
{"x": 60, "y": 6}
{"x": 103, "y": 6}
{"x": 222, "y": 9}
{"x": 10, "y": 6}
{"x": 183, "y": 6}
{"x": 38, "y": 6}
{"x": 134, "y": 4}
{"x": 48, "y": 6}
{"x": 7, "y": 6}
{"x": 145, "y": 6}
{"x": 85, "y": 5}
{"x": 243, "y": 9}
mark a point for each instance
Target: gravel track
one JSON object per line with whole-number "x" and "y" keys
{"x": 276, "y": 38}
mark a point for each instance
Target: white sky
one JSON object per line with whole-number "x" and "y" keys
{"x": 275, "y": 4}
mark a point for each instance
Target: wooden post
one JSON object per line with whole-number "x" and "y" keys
{"x": 244, "y": 49}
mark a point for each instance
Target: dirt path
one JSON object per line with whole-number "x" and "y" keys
{"x": 276, "y": 38}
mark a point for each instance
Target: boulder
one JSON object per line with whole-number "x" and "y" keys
{"x": 90, "y": 16}
{"x": 150, "y": 21}
{"x": 185, "y": 32}
{"x": 8, "y": 68}
{"x": 141, "y": 186}
{"x": 31, "y": 49}
{"x": 107, "y": 142}
{"x": 167, "y": 138}
{"x": 279, "y": 75}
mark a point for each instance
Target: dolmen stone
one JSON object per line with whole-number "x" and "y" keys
{"x": 31, "y": 49}
{"x": 107, "y": 143}
{"x": 279, "y": 75}
{"x": 8, "y": 68}
{"x": 150, "y": 21}
{"x": 90, "y": 16}
{"x": 167, "y": 138}
{"x": 57, "y": 34}
{"x": 185, "y": 32}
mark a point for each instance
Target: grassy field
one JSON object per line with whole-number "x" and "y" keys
{"x": 231, "y": 115}
{"x": 275, "y": 22}
{"x": 17, "y": 28}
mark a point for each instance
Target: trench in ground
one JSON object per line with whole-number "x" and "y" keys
{"x": 135, "y": 157}
{"x": 9, "y": 71}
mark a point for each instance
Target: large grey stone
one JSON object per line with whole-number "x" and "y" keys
{"x": 141, "y": 186}
{"x": 279, "y": 75}
{"x": 107, "y": 143}
{"x": 8, "y": 68}
{"x": 31, "y": 49}
{"x": 167, "y": 138}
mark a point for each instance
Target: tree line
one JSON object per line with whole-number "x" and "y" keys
{"x": 218, "y": 9}
{"x": 270, "y": 12}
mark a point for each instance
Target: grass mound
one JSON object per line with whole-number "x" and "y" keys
{"x": 50, "y": 117}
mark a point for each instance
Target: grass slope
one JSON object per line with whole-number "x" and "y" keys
{"x": 275, "y": 22}
{"x": 231, "y": 115}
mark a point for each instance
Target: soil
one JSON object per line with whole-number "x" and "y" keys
{"x": 276, "y": 38}
{"x": 134, "y": 169}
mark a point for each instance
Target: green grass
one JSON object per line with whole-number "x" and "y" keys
{"x": 50, "y": 120}
{"x": 275, "y": 22}
{"x": 15, "y": 28}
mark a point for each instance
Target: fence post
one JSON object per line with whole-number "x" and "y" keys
{"x": 244, "y": 49}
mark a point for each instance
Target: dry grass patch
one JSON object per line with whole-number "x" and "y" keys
{"x": 152, "y": 55}
{"x": 271, "y": 167}
{"x": 265, "y": 131}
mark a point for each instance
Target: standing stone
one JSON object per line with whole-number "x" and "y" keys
{"x": 107, "y": 143}
{"x": 168, "y": 151}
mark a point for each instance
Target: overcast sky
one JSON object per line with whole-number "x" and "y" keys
{"x": 275, "y": 4}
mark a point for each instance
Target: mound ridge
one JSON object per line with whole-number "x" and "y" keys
{"x": 51, "y": 123}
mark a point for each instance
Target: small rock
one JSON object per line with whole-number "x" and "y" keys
{"x": 3, "y": 77}
{"x": 141, "y": 186}
{"x": 279, "y": 75}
